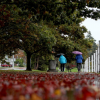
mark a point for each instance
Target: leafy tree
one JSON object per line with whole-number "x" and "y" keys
{"x": 75, "y": 39}
{"x": 21, "y": 54}
{"x": 25, "y": 35}
{"x": 56, "y": 10}
{"x": 19, "y": 62}
{"x": 30, "y": 25}
{"x": 94, "y": 47}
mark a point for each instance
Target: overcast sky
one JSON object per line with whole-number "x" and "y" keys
{"x": 94, "y": 27}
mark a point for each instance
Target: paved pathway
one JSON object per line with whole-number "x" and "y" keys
{"x": 15, "y": 68}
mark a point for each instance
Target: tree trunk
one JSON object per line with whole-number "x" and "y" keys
{"x": 37, "y": 63}
{"x": 28, "y": 61}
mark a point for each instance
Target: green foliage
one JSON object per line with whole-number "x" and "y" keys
{"x": 43, "y": 60}
{"x": 44, "y": 67}
{"x": 74, "y": 41}
{"x": 35, "y": 26}
{"x": 94, "y": 47}
{"x": 19, "y": 62}
{"x": 21, "y": 65}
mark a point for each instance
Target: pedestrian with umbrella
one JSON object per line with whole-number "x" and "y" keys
{"x": 79, "y": 59}
{"x": 62, "y": 61}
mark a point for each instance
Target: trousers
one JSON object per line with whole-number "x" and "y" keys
{"x": 62, "y": 67}
{"x": 79, "y": 66}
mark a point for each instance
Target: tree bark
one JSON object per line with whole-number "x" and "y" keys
{"x": 37, "y": 63}
{"x": 28, "y": 61}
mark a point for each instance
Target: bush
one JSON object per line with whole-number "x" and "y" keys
{"x": 21, "y": 65}
{"x": 20, "y": 62}
{"x": 44, "y": 67}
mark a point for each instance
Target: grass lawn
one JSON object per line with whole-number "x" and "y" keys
{"x": 73, "y": 70}
{"x": 38, "y": 71}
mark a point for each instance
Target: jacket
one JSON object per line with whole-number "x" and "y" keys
{"x": 62, "y": 59}
{"x": 79, "y": 58}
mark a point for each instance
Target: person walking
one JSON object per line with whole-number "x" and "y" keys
{"x": 62, "y": 61}
{"x": 79, "y": 59}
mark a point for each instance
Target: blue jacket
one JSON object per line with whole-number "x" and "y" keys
{"x": 62, "y": 59}
{"x": 79, "y": 58}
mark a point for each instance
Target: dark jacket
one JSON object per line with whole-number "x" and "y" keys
{"x": 79, "y": 58}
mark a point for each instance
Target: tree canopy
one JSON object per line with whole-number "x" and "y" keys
{"x": 92, "y": 50}
{"x": 35, "y": 26}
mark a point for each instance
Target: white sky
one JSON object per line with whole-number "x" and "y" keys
{"x": 94, "y": 27}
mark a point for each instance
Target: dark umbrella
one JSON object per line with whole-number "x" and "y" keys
{"x": 77, "y": 52}
{"x": 58, "y": 55}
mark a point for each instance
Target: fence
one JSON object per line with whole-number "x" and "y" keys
{"x": 93, "y": 64}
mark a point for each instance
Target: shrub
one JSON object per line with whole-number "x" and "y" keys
{"x": 21, "y": 65}
{"x": 20, "y": 62}
{"x": 44, "y": 67}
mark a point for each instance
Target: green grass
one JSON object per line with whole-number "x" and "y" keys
{"x": 38, "y": 71}
{"x": 73, "y": 70}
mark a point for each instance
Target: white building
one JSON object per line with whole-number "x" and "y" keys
{"x": 10, "y": 60}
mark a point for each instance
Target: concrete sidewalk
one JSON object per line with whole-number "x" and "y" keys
{"x": 11, "y": 68}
